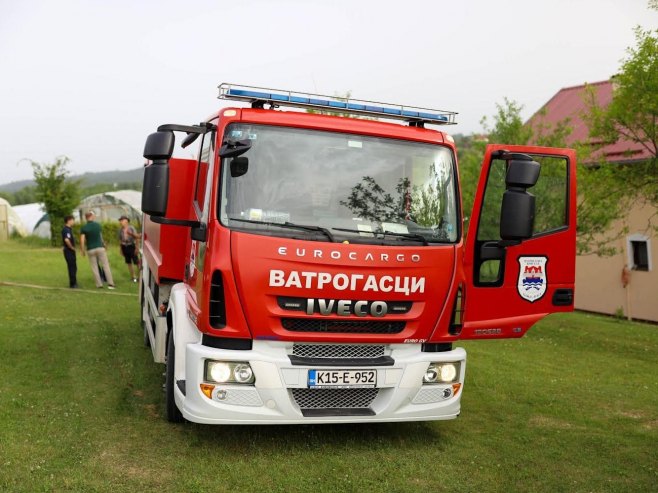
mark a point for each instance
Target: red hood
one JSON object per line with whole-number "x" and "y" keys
{"x": 281, "y": 280}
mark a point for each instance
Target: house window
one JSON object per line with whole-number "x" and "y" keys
{"x": 639, "y": 253}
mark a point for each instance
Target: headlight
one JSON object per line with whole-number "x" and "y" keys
{"x": 229, "y": 372}
{"x": 441, "y": 373}
{"x": 243, "y": 373}
{"x": 448, "y": 373}
{"x": 218, "y": 371}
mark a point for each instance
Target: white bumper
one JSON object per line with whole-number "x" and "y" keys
{"x": 280, "y": 385}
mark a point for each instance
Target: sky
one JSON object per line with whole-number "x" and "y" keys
{"x": 91, "y": 79}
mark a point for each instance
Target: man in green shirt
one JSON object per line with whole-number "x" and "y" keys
{"x": 91, "y": 243}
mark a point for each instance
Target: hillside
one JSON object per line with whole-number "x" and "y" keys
{"x": 88, "y": 179}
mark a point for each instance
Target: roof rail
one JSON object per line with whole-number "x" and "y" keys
{"x": 259, "y": 96}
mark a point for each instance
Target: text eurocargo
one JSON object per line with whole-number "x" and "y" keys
{"x": 337, "y": 255}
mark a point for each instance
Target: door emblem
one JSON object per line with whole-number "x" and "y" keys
{"x": 532, "y": 278}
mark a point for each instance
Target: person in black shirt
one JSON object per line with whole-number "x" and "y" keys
{"x": 69, "y": 250}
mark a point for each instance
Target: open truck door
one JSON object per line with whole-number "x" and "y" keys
{"x": 521, "y": 245}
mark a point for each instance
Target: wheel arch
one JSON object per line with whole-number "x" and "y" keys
{"x": 184, "y": 330}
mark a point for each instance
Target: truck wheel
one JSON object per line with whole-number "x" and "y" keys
{"x": 147, "y": 341}
{"x": 173, "y": 413}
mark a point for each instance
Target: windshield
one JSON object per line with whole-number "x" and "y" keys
{"x": 328, "y": 186}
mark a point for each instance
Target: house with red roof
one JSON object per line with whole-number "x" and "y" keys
{"x": 626, "y": 282}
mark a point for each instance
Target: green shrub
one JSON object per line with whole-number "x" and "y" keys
{"x": 31, "y": 240}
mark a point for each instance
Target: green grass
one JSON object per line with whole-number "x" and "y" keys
{"x": 571, "y": 407}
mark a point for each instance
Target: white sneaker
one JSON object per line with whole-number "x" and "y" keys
{"x": 109, "y": 286}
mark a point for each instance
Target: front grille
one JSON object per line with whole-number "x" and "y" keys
{"x": 342, "y": 326}
{"x": 337, "y": 351}
{"x": 334, "y": 398}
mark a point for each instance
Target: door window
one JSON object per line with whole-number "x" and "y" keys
{"x": 551, "y": 209}
{"x": 204, "y": 176}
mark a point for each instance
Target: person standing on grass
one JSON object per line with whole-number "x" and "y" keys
{"x": 69, "y": 251}
{"x": 91, "y": 243}
{"x": 128, "y": 238}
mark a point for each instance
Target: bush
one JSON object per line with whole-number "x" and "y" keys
{"x": 31, "y": 240}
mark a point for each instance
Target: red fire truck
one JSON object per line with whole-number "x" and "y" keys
{"x": 310, "y": 267}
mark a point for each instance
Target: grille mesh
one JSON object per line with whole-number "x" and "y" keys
{"x": 334, "y": 398}
{"x": 428, "y": 395}
{"x": 346, "y": 351}
{"x": 342, "y": 326}
{"x": 240, "y": 397}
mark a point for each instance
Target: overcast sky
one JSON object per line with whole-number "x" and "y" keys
{"x": 91, "y": 79}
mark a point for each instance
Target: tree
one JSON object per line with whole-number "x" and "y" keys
{"x": 25, "y": 195}
{"x": 598, "y": 205}
{"x": 371, "y": 202}
{"x": 59, "y": 194}
{"x": 632, "y": 115}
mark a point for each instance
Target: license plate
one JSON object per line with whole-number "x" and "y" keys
{"x": 342, "y": 379}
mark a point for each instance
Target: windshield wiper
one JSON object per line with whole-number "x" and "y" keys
{"x": 290, "y": 225}
{"x": 411, "y": 236}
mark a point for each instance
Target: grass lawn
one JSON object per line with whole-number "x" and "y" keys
{"x": 572, "y": 407}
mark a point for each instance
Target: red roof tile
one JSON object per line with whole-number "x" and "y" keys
{"x": 569, "y": 103}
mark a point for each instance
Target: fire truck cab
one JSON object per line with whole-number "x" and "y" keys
{"x": 312, "y": 267}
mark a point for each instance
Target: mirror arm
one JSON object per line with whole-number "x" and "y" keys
{"x": 508, "y": 243}
{"x": 508, "y": 156}
{"x": 192, "y": 131}
{"x": 175, "y": 222}
{"x": 201, "y": 128}
{"x": 491, "y": 250}
{"x": 495, "y": 250}
{"x": 199, "y": 233}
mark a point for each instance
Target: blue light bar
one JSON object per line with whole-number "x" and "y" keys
{"x": 276, "y": 97}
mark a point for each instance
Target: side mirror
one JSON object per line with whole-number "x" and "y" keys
{"x": 239, "y": 166}
{"x": 159, "y": 146}
{"x": 522, "y": 174}
{"x": 155, "y": 190}
{"x": 517, "y": 215}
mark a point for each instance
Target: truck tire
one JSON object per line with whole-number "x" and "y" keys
{"x": 173, "y": 413}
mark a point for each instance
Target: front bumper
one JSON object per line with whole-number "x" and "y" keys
{"x": 281, "y": 395}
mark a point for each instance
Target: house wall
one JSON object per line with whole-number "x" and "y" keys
{"x": 599, "y": 285}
